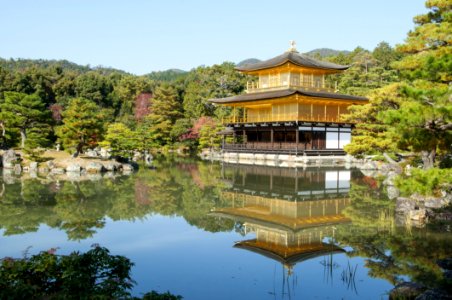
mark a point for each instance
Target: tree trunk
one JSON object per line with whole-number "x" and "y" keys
{"x": 23, "y": 137}
{"x": 389, "y": 159}
{"x": 428, "y": 158}
{"x": 78, "y": 149}
{"x": 2, "y": 125}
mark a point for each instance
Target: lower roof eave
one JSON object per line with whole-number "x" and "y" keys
{"x": 251, "y": 97}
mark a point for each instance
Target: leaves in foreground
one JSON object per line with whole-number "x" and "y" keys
{"x": 95, "y": 274}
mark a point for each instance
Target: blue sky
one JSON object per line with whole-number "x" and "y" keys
{"x": 140, "y": 36}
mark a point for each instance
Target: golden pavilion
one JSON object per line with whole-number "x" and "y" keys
{"x": 288, "y": 108}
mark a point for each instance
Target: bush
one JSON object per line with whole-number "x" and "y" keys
{"x": 92, "y": 275}
{"x": 424, "y": 182}
{"x": 446, "y": 162}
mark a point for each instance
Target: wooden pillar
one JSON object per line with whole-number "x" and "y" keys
{"x": 296, "y": 139}
{"x": 271, "y": 136}
{"x": 338, "y": 112}
{"x": 312, "y": 111}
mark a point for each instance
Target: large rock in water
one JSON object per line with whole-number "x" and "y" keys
{"x": 105, "y": 153}
{"x": 127, "y": 168}
{"x": 112, "y": 166}
{"x": 94, "y": 167}
{"x": 406, "y": 290}
{"x": 73, "y": 168}
{"x": 434, "y": 294}
{"x": 33, "y": 166}
{"x": 9, "y": 159}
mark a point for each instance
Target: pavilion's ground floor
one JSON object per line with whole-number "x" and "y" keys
{"x": 288, "y": 138}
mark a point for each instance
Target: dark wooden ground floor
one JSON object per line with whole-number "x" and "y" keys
{"x": 289, "y": 138}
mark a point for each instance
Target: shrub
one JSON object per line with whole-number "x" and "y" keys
{"x": 424, "y": 182}
{"x": 92, "y": 275}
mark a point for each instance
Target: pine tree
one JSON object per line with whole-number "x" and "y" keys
{"x": 120, "y": 139}
{"x": 165, "y": 110}
{"x": 424, "y": 121}
{"x": 429, "y": 45}
{"x": 28, "y": 115}
{"x": 415, "y": 115}
{"x": 83, "y": 124}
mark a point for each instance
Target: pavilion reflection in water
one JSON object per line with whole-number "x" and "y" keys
{"x": 290, "y": 211}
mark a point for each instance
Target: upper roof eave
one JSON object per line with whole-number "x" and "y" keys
{"x": 295, "y": 58}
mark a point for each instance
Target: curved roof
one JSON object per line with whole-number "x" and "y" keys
{"x": 283, "y": 93}
{"x": 289, "y": 255}
{"x": 295, "y": 58}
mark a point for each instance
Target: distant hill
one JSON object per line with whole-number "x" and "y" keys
{"x": 168, "y": 75}
{"x": 248, "y": 62}
{"x": 23, "y": 64}
{"x": 325, "y": 52}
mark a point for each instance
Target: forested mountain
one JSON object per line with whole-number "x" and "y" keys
{"x": 24, "y": 64}
{"x": 248, "y": 61}
{"x": 168, "y": 75}
{"x": 326, "y": 52}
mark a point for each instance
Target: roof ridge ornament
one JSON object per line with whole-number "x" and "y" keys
{"x": 293, "y": 45}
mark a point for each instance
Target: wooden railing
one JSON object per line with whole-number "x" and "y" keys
{"x": 280, "y": 148}
{"x": 253, "y": 87}
{"x": 281, "y": 118}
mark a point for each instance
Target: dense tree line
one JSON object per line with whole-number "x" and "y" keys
{"x": 82, "y": 106}
{"x": 414, "y": 113}
{"x": 47, "y": 102}
{"x": 409, "y": 107}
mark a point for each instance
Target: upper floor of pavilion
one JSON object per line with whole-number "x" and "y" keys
{"x": 291, "y": 70}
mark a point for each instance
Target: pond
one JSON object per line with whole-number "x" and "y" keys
{"x": 216, "y": 231}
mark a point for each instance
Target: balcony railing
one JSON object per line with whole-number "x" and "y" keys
{"x": 280, "y": 147}
{"x": 282, "y": 118}
{"x": 253, "y": 87}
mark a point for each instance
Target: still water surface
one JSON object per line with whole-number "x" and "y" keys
{"x": 212, "y": 231}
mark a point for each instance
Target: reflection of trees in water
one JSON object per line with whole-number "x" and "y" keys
{"x": 391, "y": 252}
{"x": 81, "y": 208}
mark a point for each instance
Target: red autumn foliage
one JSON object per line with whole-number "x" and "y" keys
{"x": 194, "y": 173}
{"x": 142, "y": 105}
{"x": 57, "y": 110}
{"x": 193, "y": 133}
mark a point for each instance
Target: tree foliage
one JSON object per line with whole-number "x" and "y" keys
{"x": 120, "y": 139}
{"x": 165, "y": 110}
{"x": 371, "y": 134}
{"x": 26, "y": 114}
{"x": 206, "y": 83}
{"x": 421, "y": 119}
{"x": 95, "y": 274}
{"x": 83, "y": 124}
{"x": 429, "y": 45}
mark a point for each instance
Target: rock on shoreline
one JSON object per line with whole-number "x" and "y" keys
{"x": 64, "y": 164}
